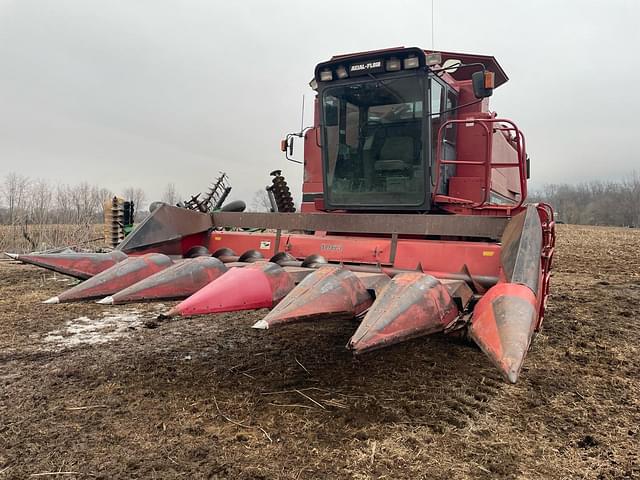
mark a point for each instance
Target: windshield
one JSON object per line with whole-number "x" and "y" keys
{"x": 373, "y": 143}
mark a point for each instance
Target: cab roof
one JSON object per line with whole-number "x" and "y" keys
{"x": 464, "y": 73}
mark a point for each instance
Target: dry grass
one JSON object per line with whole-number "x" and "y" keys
{"x": 21, "y": 239}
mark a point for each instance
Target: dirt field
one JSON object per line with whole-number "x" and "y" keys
{"x": 117, "y": 395}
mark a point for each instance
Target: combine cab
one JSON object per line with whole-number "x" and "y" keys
{"x": 413, "y": 219}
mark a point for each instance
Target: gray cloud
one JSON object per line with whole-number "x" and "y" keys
{"x": 145, "y": 92}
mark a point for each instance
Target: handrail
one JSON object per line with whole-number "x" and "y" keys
{"x": 489, "y": 127}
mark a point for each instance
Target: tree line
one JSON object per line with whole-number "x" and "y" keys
{"x": 615, "y": 203}
{"x": 24, "y": 200}
{"x": 38, "y": 215}
{"x": 34, "y": 201}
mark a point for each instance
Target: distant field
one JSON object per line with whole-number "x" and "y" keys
{"x": 17, "y": 238}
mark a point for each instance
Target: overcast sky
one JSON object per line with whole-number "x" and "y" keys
{"x": 141, "y": 93}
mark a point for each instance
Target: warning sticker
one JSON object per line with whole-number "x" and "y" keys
{"x": 265, "y": 245}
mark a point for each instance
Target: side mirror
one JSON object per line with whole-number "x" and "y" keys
{"x": 483, "y": 83}
{"x": 287, "y": 144}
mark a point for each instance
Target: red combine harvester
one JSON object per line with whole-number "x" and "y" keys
{"x": 413, "y": 219}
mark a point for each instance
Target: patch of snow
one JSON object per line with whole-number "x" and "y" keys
{"x": 85, "y": 330}
{"x": 64, "y": 279}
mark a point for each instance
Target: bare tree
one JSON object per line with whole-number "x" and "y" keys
{"x": 14, "y": 192}
{"x": 84, "y": 203}
{"x": 42, "y": 215}
{"x": 631, "y": 199}
{"x": 64, "y": 204}
{"x": 103, "y": 194}
{"x": 260, "y": 201}
{"x": 170, "y": 195}
{"x": 39, "y": 202}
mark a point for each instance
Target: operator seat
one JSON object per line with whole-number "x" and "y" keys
{"x": 398, "y": 153}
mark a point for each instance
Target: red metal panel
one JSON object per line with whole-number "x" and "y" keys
{"x": 411, "y": 305}
{"x": 178, "y": 281}
{"x": 258, "y": 285}
{"x": 502, "y": 325}
{"x": 466, "y": 187}
{"x": 333, "y": 247}
{"x": 313, "y": 179}
{"x": 326, "y": 292}
{"x": 481, "y": 258}
{"x": 308, "y": 207}
{"x": 79, "y": 265}
{"x": 116, "y": 278}
{"x": 190, "y": 241}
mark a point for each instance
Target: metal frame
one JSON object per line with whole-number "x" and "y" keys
{"x": 489, "y": 164}
{"x": 472, "y": 226}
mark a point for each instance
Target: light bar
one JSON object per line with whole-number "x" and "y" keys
{"x": 392, "y": 65}
{"x": 411, "y": 62}
{"x": 326, "y": 75}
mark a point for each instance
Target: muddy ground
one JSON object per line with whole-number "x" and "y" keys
{"x": 106, "y": 396}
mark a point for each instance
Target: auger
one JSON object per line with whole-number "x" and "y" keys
{"x": 413, "y": 220}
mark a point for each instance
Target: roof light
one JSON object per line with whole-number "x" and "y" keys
{"x": 411, "y": 62}
{"x": 434, "y": 58}
{"x": 393, "y": 65}
{"x": 341, "y": 72}
{"x": 326, "y": 75}
{"x": 313, "y": 84}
